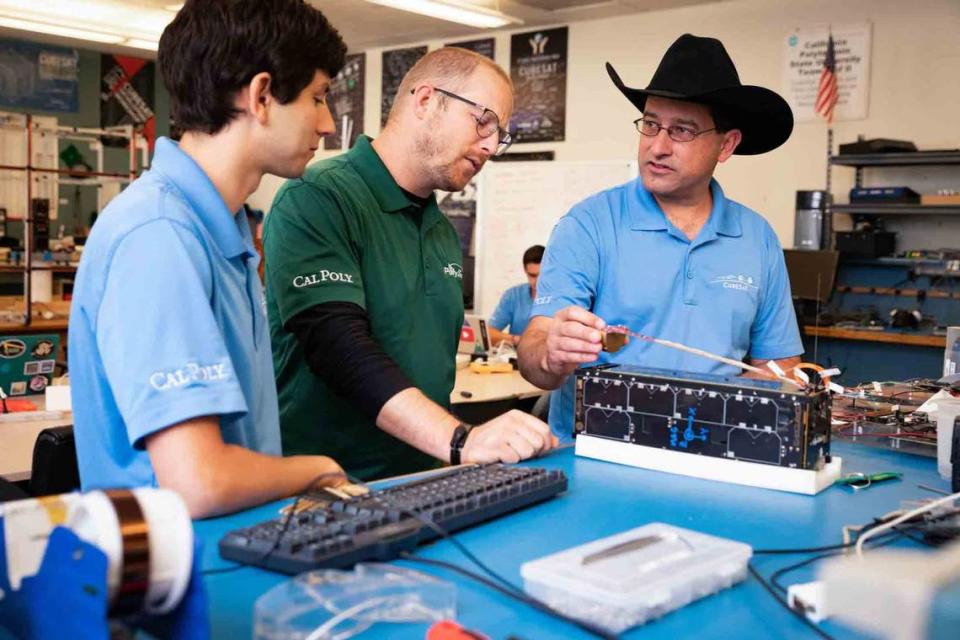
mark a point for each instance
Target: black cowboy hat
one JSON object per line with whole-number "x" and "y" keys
{"x": 699, "y": 70}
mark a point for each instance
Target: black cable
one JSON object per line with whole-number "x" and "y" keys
{"x": 763, "y": 583}
{"x": 505, "y": 586}
{"x": 771, "y": 552}
{"x": 520, "y": 597}
{"x": 779, "y": 573}
{"x": 891, "y": 536}
{"x": 444, "y": 534}
{"x": 496, "y": 581}
{"x": 875, "y": 523}
{"x": 776, "y": 575}
{"x": 286, "y": 524}
{"x": 830, "y": 547}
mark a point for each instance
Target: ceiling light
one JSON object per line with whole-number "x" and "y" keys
{"x": 453, "y": 12}
{"x": 58, "y": 30}
{"x": 102, "y": 21}
{"x": 137, "y": 43}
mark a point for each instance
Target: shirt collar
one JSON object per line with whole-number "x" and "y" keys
{"x": 725, "y": 214}
{"x": 646, "y": 214}
{"x": 389, "y": 195}
{"x": 205, "y": 201}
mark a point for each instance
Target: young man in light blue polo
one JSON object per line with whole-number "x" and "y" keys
{"x": 170, "y": 360}
{"x": 512, "y": 314}
{"x": 668, "y": 254}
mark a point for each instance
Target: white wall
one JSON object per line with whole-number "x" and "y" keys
{"x": 914, "y": 87}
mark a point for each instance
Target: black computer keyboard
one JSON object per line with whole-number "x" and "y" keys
{"x": 330, "y": 532}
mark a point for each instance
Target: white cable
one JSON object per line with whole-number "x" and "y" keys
{"x": 907, "y": 516}
{"x": 773, "y": 366}
{"x": 719, "y": 358}
{"x": 321, "y": 632}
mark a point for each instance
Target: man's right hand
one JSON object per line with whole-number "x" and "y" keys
{"x": 511, "y": 437}
{"x": 573, "y": 338}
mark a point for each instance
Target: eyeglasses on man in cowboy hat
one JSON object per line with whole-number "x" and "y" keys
{"x": 697, "y": 69}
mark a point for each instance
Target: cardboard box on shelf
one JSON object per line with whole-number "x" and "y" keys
{"x": 937, "y": 198}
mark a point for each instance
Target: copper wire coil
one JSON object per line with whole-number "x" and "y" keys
{"x": 135, "y": 542}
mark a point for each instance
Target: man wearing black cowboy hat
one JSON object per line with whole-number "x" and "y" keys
{"x": 668, "y": 254}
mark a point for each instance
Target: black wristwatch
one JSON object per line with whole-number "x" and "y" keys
{"x": 458, "y": 440}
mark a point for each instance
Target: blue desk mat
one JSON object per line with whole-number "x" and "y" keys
{"x": 603, "y": 499}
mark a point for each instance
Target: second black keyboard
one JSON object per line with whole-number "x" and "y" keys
{"x": 327, "y": 532}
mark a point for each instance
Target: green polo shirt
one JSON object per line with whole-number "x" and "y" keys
{"x": 346, "y": 232}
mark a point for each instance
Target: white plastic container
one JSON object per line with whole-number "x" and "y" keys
{"x": 630, "y": 578}
{"x": 951, "y": 352}
{"x": 41, "y": 286}
{"x": 947, "y": 410}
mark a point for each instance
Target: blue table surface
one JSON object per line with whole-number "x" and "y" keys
{"x": 604, "y": 499}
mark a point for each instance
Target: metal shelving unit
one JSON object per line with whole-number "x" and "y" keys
{"x": 912, "y": 159}
{"x": 135, "y": 145}
{"x": 886, "y": 209}
{"x": 905, "y": 159}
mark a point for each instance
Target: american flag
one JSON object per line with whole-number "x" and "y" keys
{"x": 827, "y": 93}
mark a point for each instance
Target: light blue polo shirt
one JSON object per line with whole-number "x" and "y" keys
{"x": 167, "y": 324}
{"x": 726, "y": 291}
{"x": 513, "y": 310}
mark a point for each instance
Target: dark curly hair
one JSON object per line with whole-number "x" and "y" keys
{"x": 215, "y": 47}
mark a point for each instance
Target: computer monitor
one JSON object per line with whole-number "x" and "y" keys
{"x": 474, "y": 334}
{"x": 812, "y": 273}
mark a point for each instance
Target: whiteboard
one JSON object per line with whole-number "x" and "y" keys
{"x": 518, "y": 205}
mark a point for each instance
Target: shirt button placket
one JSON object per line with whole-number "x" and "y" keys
{"x": 689, "y": 288}
{"x": 427, "y": 279}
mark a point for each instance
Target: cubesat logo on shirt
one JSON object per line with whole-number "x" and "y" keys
{"x": 453, "y": 270}
{"x": 324, "y": 275}
{"x": 189, "y": 373}
{"x": 737, "y": 282}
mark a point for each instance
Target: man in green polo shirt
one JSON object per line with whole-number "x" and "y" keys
{"x": 364, "y": 283}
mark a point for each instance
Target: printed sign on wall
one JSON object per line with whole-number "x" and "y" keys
{"x": 460, "y": 208}
{"x": 484, "y": 47}
{"x": 346, "y": 103}
{"x": 396, "y": 63}
{"x": 39, "y": 77}
{"x": 126, "y": 96}
{"x": 806, "y": 50}
{"x": 538, "y": 68}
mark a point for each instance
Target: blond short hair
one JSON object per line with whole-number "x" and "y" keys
{"x": 448, "y": 68}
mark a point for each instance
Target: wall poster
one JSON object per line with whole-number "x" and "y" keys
{"x": 806, "y": 50}
{"x": 127, "y": 96}
{"x": 39, "y": 77}
{"x": 484, "y": 47}
{"x": 538, "y": 68}
{"x": 395, "y": 65}
{"x": 346, "y": 98}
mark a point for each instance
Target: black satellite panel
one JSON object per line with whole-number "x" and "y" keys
{"x": 724, "y": 417}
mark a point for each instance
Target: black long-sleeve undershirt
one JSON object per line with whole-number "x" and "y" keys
{"x": 340, "y": 349}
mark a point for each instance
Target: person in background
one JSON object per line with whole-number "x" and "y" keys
{"x": 170, "y": 363}
{"x": 512, "y": 314}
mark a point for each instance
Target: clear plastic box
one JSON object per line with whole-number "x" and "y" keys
{"x": 630, "y": 578}
{"x": 333, "y": 604}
